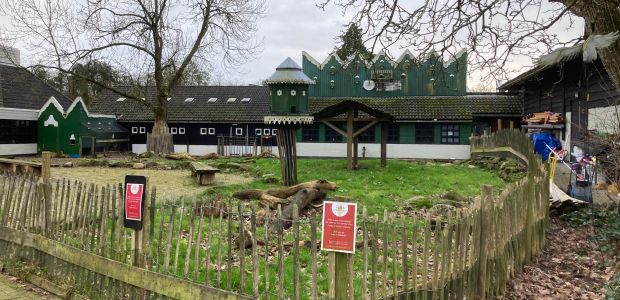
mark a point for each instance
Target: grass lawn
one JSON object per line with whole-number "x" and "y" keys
{"x": 381, "y": 188}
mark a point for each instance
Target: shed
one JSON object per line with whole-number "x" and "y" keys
{"x": 77, "y": 132}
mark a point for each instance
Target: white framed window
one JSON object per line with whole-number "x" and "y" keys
{"x": 173, "y": 130}
{"x": 181, "y": 130}
{"x": 142, "y": 130}
{"x": 203, "y": 131}
{"x": 211, "y": 131}
{"x": 134, "y": 130}
{"x": 238, "y": 131}
{"x": 258, "y": 131}
{"x": 267, "y": 131}
{"x": 274, "y": 131}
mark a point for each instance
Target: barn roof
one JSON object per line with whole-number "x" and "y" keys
{"x": 19, "y": 88}
{"x": 203, "y": 108}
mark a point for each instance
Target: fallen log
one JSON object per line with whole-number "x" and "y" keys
{"x": 179, "y": 156}
{"x": 302, "y": 199}
{"x": 275, "y": 196}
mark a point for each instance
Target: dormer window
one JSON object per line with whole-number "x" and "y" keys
{"x": 212, "y": 100}
{"x": 189, "y": 100}
{"x": 245, "y": 100}
{"x": 121, "y": 99}
{"x": 231, "y": 100}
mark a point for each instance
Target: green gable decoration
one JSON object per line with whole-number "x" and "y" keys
{"x": 383, "y": 77}
{"x": 289, "y": 89}
{"x": 76, "y": 131}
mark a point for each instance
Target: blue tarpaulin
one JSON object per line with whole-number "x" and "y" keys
{"x": 542, "y": 140}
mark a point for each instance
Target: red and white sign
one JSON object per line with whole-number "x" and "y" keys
{"x": 339, "y": 226}
{"x": 133, "y": 201}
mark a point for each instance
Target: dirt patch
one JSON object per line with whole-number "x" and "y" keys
{"x": 170, "y": 183}
{"x": 571, "y": 267}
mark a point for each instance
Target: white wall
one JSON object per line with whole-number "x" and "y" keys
{"x": 202, "y": 149}
{"x": 419, "y": 151}
{"x": 180, "y": 148}
{"x": 138, "y": 148}
{"x": 18, "y": 149}
{"x": 7, "y": 113}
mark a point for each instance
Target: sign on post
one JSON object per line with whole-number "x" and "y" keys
{"x": 135, "y": 194}
{"x": 339, "y": 226}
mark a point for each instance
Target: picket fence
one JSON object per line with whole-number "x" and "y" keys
{"x": 216, "y": 248}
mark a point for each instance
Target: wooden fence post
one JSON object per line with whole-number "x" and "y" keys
{"x": 46, "y": 161}
{"x": 486, "y": 200}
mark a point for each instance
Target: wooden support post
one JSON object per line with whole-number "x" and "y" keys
{"x": 486, "y": 202}
{"x": 288, "y": 154}
{"x": 384, "y": 132}
{"x": 338, "y": 276}
{"x": 350, "y": 139}
{"x": 342, "y": 275}
{"x": 499, "y": 124}
{"x": 512, "y": 124}
{"x": 46, "y": 174}
{"x": 355, "y": 140}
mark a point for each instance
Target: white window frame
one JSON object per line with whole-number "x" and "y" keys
{"x": 142, "y": 130}
{"x": 181, "y": 130}
{"x": 274, "y": 131}
{"x": 211, "y": 131}
{"x": 173, "y": 130}
{"x": 203, "y": 131}
{"x": 267, "y": 131}
{"x": 238, "y": 131}
{"x": 134, "y": 130}
{"x": 258, "y": 131}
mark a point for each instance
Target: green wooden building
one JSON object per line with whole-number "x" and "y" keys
{"x": 77, "y": 132}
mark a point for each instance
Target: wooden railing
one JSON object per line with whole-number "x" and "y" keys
{"x": 192, "y": 245}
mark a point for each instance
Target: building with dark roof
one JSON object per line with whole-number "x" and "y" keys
{"x": 433, "y": 117}
{"x": 21, "y": 96}
{"x": 583, "y": 93}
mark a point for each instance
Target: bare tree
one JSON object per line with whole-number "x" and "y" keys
{"x": 496, "y": 32}
{"x": 153, "y": 41}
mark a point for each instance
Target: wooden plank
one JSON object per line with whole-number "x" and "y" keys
{"x": 190, "y": 239}
{"x": 267, "y": 277}
{"x": 230, "y": 246}
{"x": 373, "y": 280}
{"x": 169, "y": 239}
{"x": 157, "y": 265}
{"x": 219, "y": 248}
{"x": 296, "y": 265}
{"x": 161, "y": 284}
{"x": 365, "y": 252}
{"x": 241, "y": 246}
{"x": 385, "y": 254}
{"x": 280, "y": 254}
{"x": 198, "y": 242}
{"x": 403, "y": 254}
{"x": 425, "y": 250}
{"x": 175, "y": 268}
{"x": 255, "y": 264}
{"x": 486, "y": 191}
{"x": 313, "y": 261}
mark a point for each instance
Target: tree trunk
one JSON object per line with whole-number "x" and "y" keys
{"x": 159, "y": 141}
{"x": 288, "y": 154}
{"x": 602, "y": 17}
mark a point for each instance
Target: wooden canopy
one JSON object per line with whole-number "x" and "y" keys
{"x": 349, "y": 111}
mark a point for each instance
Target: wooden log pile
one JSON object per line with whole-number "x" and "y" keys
{"x": 547, "y": 117}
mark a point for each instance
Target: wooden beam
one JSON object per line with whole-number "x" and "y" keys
{"x": 499, "y": 124}
{"x": 335, "y": 128}
{"x": 365, "y": 128}
{"x": 384, "y": 131}
{"x": 341, "y": 119}
{"x": 512, "y": 124}
{"x": 350, "y": 139}
{"x": 159, "y": 283}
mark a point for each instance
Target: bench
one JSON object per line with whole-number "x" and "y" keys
{"x": 21, "y": 166}
{"x": 204, "y": 173}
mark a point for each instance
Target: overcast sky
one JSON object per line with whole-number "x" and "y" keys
{"x": 287, "y": 28}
